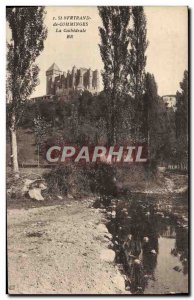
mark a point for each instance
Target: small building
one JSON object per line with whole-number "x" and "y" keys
{"x": 170, "y": 101}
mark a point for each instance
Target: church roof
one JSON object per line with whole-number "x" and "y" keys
{"x": 54, "y": 67}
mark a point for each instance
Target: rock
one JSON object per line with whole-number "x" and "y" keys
{"x": 110, "y": 245}
{"x": 137, "y": 262}
{"x": 107, "y": 255}
{"x": 69, "y": 196}
{"x": 103, "y": 210}
{"x": 108, "y": 236}
{"x": 129, "y": 237}
{"x": 128, "y": 289}
{"x": 59, "y": 197}
{"x": 185, "y": 219}
{"x": 34, "y": 188}
{"x": 35, "y": 194}
{"x": 145, "y": 239}
{"x": 9, "y": 191}
{"x": 102, "y": 228}
{"x": 119, "y": 282}
{"x": 113, "y": 214}
{"x": 174, "y": 252}
{"x": 139, "y": 289}
{"x": 147, "y": 214}
{"x": 42, "y": 186}
{"x": 27, "y": 184}
{"x": 177, "y": 268}
{"x": 153, "y": 251}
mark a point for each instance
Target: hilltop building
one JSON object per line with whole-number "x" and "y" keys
{"x": 170, "y": 101}
{"x": 65, "y": 84}
{"x": 61, "y": 83}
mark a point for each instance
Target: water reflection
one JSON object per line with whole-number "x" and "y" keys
{"x": 136, "y": 227}
{"x": 181, "y": 246}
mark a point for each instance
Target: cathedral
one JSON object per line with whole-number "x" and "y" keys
{"x": 64, "y": 83}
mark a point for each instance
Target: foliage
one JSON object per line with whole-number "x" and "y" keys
{"x": 69, "y": 179}
{"x": 137, "y": 57}
{"x": 41, "y": 130}
{"x": 114, "y": 52}
{"x": 158, "y": 124}
{"x": 136, "y": 64}
{"x": 27, "y": 41}
{"x": 57, "y": 180}
{"x": 79, "y": 180}
{"x": 114, "y": 46}
{"x": 102, "y": 180}
{"x": 182, "y": 119}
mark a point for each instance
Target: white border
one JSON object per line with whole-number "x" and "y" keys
{"x": 3, "y": 3}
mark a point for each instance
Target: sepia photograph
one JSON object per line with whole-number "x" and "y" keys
{"x": 97, "y": 150}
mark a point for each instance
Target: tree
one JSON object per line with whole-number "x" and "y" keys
{"x": 150, "y": 113}
{"x": 42, "y": 129}
{"x": 137, "y": 62}
{"x": 114, "y": 52}
{"x": 182, "y": 118}
{"x": 27, "y": 41}
{"x": 158, "y": 124}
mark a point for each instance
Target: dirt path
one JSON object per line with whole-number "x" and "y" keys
{"x": 57, "y": 249}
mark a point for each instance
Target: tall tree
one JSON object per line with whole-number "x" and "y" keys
{"x": 138, "y": 46}
{"x": 158, "y": 125}
{"x": 114, "y": 52}
{"x": 182, "y": 117}
{"x": 137, "y": 62}
{"x": 149, "y": 123}
{"x": 27, "y": 41}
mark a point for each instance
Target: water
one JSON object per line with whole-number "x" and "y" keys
{"x": 150, "y": 237}
{"x": 165, "y": 279}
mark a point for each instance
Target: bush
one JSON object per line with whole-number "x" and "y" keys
{"x": 102, "y": 180}
{"x": 80, "y": 180}
{"x": 56, "y": 180}
{"x": 71, "y": 178}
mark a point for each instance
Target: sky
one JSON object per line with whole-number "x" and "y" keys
{"x": 167, "y": 53}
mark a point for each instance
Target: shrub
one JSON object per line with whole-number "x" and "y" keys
{"x": 70, "y": 178}
{"x": 56, "y": 180}
{"x": 79, "y": 180}
{"x": 102, "y": 180}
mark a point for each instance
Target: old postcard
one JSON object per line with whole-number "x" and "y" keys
{"x": 97, "y": 150}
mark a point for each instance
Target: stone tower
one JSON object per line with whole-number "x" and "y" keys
{"x": 90, "y": 79}
{"x": 51, "y": 73}
{"x": 96, "y": 82}
{"x": 74, "y": 72}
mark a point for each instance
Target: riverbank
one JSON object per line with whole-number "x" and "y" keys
{"x": 61, "y": 245}
{"x": 150, "y": 237}
{"x": 61, "y": 249}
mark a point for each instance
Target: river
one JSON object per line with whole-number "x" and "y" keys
{"x": 150, "y": 238}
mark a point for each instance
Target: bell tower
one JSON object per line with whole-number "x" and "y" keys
{"x": 51, "y": 73}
